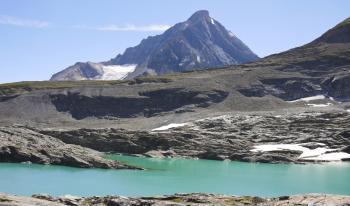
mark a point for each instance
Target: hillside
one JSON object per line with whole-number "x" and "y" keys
{"x": 299, "y": 98}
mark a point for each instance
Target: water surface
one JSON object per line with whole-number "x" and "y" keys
{"x": 168, "y": 176}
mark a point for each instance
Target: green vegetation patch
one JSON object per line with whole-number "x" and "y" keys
{"x": 152, "y": 79}
{"x": 28, "y": 86}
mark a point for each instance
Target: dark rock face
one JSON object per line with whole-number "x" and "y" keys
{"x": 292, "y": 88}
{"x": 146, "y": 104}
{"x": 285, "y": 88}
{"x": 198, "y": 43}
{"x": 339, "y": 87}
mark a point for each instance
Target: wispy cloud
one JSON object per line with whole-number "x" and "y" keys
{"x": 21, "y": 22}
{"x": 131, "y": 27}
{"x": 15, "y": 21}
{"x": 128, "y": 27}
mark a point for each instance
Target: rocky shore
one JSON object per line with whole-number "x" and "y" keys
{"x": 232, "y": 137}
{"x": 262, "y": 137}
{"x": 195, "y": 199}
{"x": 22, "y": 145}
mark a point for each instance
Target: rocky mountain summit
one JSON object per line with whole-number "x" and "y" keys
{"x": 200, "y": 42}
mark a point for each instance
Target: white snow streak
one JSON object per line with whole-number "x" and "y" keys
{"x": 320, "y": 105}
{"x": 169, "y": 126}
{"x": 212, "y": 20}
{"x": 307, "y": 99}
{"x": 198, "y": 59}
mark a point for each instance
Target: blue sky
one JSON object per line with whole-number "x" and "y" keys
{"x": 41, "y": 37}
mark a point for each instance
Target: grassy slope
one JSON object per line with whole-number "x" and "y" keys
{"x": 16, "y": 88}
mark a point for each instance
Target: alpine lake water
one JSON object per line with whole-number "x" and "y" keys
{"x": 171, "y": 175}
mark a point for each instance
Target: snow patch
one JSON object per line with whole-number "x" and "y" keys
{"x": 117, "y": 72}
{"x": 318, "y": 154}
{"x": 295, "y": 147}
{"x": 169, "y": 126}
{"x": 320, "y": 105}
{"x": 307, "y": 99}
{"x": 231, "y": 34}
{"x": 198, "y": 59}
{"x": 212, "y": 21}
{"x": 334, "y": 156}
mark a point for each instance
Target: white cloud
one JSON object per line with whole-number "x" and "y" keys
{"x": 15, "y": 21}
{"x": 131, "y": 27}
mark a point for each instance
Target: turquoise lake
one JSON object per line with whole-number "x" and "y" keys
{"x": 168, "y": 176}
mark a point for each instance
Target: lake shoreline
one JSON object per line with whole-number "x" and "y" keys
{"x": 306, "y": 137}
{"x": 200, "y": 199}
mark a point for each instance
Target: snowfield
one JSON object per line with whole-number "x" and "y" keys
{"x": 318, "y": 154}
{"x": 334, "y": 156}
{"x": 117, "y": 72}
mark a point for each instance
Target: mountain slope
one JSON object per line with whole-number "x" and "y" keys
{"x": 339, "y": 34}
{"x": 225, "y": 112}
{"x": 325, "y": 55}
{"x": 317, "y": 68}
{"x": 198, "y": 43}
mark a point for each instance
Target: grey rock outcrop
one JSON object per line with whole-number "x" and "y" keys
{"x": 20, "y": 144}
{"x": 79, "y": 71}
{"x": 339, "y": 87}
{"x": 226, "y": 137}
